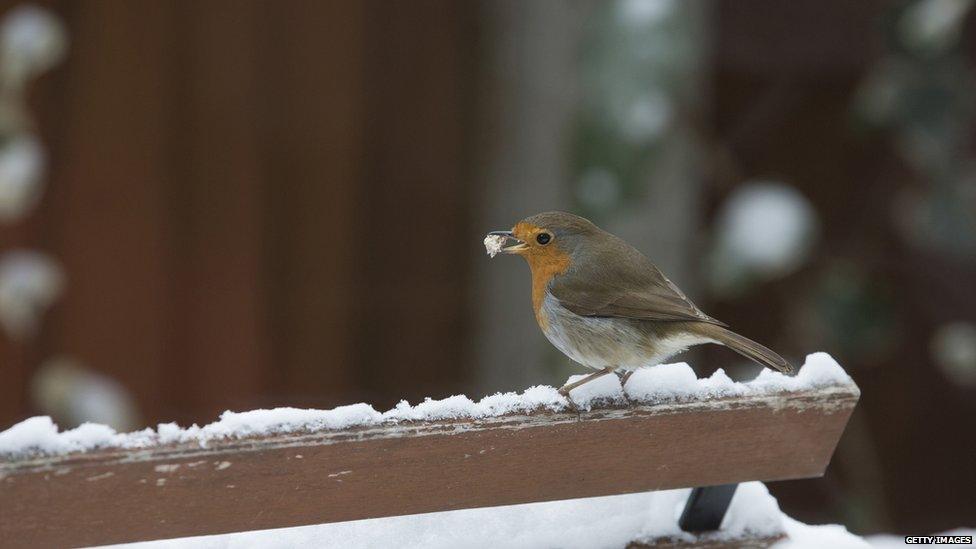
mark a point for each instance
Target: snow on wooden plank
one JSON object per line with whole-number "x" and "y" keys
{"x": 375, "y": 470}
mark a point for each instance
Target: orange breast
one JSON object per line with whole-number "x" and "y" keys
{"x": 544, "y": 267}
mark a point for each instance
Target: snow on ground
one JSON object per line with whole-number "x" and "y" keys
{"x": 592, "y": 523}
{"x": 666, "y": 383}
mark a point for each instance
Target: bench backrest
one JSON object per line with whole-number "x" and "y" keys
{"x": 288, "y": 480}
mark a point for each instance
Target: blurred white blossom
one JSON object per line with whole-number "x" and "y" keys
{"x": 764, "y": 229}
{"x": 21, "y": 176}
{"x": 32, "y": 40}
{"x": 953, "y": 348}
{"x": 73, "y": 394}
{"x": 29, "y": 283}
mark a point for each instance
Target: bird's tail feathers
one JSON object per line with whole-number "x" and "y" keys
{"x": 749, "y": 348}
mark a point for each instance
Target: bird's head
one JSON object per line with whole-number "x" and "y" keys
{"x": 550, "y": 237}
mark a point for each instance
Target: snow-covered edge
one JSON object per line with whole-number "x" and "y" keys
{"x": 666, "y": 383}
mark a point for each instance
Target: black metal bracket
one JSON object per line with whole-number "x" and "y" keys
{"x": 706, "y": 507}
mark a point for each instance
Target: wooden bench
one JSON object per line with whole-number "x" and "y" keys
{"x": 111, "y": 496}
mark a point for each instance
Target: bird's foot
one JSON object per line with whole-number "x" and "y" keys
{"x": 623, "y": 386}
{"x": 573, "y": 407}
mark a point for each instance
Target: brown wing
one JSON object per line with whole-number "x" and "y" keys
{"x": 621, "y": 282}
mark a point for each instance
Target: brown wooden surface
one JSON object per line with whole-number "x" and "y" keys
{"x": 128, "y": 495}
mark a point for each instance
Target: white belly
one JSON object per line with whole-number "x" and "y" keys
{"x": 597, "y": 342}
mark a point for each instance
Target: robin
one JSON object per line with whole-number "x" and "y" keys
{"x": 605, "y": 305}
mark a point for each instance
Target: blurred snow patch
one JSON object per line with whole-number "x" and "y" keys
{"x": 765, "y": 229}
{"x": 32, "y": 40}
{"x": 641, "y": 13}
{"x": 933, "y": 26}
{"x": 75, "y": 394}
{"x": 21, "y": 176}
{"x": 953, "y": 348}
{"x": 647, "y": 117}
{"x": 29, "y": 283}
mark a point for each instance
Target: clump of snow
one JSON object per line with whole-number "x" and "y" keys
{"x": 462, "y": 407}
{"x": 610, "y": 522}
{"x": 655, "y": 385}
{"x": 677, "y": 382}
{"x": 40, "y": 433}
{"x": 494, "y": 244}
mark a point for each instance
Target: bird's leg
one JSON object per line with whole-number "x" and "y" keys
{"x": 624, "y": 377}
{"x": 565, "y": 389}
{"x": 623, "y": 383}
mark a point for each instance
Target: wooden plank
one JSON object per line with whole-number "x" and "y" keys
{"x": 310, "y": 478}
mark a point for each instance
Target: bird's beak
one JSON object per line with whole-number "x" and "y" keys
{"x": 513, "y": 249}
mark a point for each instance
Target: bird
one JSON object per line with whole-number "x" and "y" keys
{"x": 605, "y": 305}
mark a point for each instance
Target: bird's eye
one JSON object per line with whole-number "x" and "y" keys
{"x": 543, "y": 238}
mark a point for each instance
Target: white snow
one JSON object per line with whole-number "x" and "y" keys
{"x": 41, "y": 434}
{"x": 494, "y": 244}
{"x": 605, "y": 522}
{"x": 662, "y": 384}
{"x": 677, "y": 382}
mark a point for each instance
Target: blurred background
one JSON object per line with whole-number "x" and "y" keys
{"x": 229, "y": 205}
